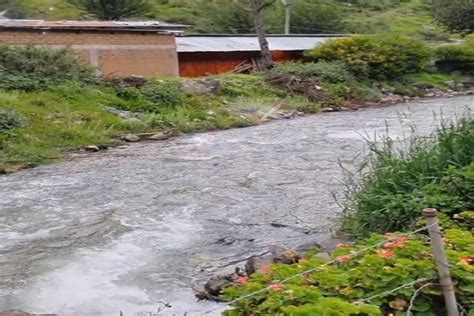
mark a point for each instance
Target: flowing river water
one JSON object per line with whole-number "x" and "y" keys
{"x": 128, "y": 229}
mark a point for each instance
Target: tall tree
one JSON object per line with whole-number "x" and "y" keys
{"x": 455, "y": 15}
{"x": 113, "y": 10}
{"x": 256, "y": 8}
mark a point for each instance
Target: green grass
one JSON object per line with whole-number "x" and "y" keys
{"x": 399, "y": 181}
{"x": 69, "y": 117}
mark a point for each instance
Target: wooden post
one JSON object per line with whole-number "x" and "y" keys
{"x": 442, "y": 265}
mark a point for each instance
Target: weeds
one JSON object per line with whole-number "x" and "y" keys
{"x": 398, "y": 182}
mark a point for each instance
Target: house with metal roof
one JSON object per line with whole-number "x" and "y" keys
{"x": 201, "y": 55}
{"x": 115, "y": 49}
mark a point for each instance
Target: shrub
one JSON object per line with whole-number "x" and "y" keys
{"x": 333, "y": 72}
{"x": 377, "y": 57}
{"x": 153, "y": 97}
{"x": 455, "y": 58}
{"x": 235, "y": 86}
{"x": 9, "y": 119}
{"x": 33, "y": 68}
{"x": 433, "y": 172}
{"x": 333, "y": 289}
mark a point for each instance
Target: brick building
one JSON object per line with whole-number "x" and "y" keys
{"x": 116, "y": 49}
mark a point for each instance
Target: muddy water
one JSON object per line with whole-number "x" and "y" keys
{"x": 127, "y": 229}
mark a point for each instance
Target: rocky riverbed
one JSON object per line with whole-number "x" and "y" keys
{"x": 131, "y": 228}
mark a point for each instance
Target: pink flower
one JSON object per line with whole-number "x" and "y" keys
{"x": 277, "y": 287}
{"x": 243, "y": 280}
{"x": 391, "y": 245}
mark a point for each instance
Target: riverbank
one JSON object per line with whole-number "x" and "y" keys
{"x": 74, "y": 120}
{"x": 143, "y": 224}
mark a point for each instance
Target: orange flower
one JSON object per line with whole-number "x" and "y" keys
{"x": 342, "y": 245}
{"x": 277, "y": 287}
{"x": 401, "y": 239}
{"x": 467, "y": 259}
{"x": 243, "y": 280}
{"x": 266, "y": 268}
{"x": 345, "y": 258}
{"x": 385, "y": 253}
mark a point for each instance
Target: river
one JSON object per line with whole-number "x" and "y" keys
{"x": 127, "y": 229}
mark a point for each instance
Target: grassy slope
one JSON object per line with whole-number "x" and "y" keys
{"x": 409, "y": 18}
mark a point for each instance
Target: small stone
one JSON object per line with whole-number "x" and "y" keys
{"x": 392, "y": 99}
{"x": 92, "y": 148}
{"x": 255, "y": 264}
{"x": 423, "y": 85}
{"x": 205, "y": 86}
{"x": 322, "y": 256}
{"x": 331, "y": 244}
{"x": 131, "y": 138}
{"x": 308, "y": 246}
{"x": 159, "y": 136}
{"x": 328, "y": 109}
{"x": 216, "y": 284}
{"x": 451, "y": 84}
{"x": 122, "y": 147}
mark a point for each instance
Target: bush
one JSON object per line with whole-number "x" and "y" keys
{"x": 32, "y": 68}
{"x": 377, "y": 57}
{"x": 434, "y": 172}
{"x": 9, "y": 119}
{"x": 333, "y": 72}
{"x": 455, "y": 58}
{"x": 332, "y": 289}
{"x": 153, "y": 97}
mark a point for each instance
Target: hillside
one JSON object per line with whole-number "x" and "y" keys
{"x": 409, "y": 17}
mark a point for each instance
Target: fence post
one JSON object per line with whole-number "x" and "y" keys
{"x": 442, "y": 265}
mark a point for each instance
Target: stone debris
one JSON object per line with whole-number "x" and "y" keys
{"x": 205, "y": 86}
{"x": 92, "y": 148}
{"x": 131, "y": 138}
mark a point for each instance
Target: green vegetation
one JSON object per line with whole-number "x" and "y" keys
{"x": 51, "y": 104}
{"x": 434, "y": 172}
{"x": 378, "y": 57}
{"x": 455, "y": 15}
{"x": 31, "y": 68}
{"x": 112, "y": 9}
{"x": 456, "y": 57}
{"x": 333, "y": 289}
{"x": 408, "y": 17}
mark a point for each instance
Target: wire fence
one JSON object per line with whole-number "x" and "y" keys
{"x": 336, "y": 260}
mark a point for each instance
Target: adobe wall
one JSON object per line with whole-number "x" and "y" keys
{"x": 113, "y": 53}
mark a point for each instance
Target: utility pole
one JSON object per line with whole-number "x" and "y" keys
{"x": 288, "y": 4}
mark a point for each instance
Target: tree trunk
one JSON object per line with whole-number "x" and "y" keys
{"x": 257, "y": 7}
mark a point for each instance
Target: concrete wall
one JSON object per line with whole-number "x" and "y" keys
{"x": 114, "y": 54}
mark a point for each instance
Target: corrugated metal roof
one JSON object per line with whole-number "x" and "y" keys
{"x": 246, "y": 43}
{"x": 152, "y": 26}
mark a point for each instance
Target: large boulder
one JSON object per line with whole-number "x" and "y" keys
{"x": 205, "y": 86}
